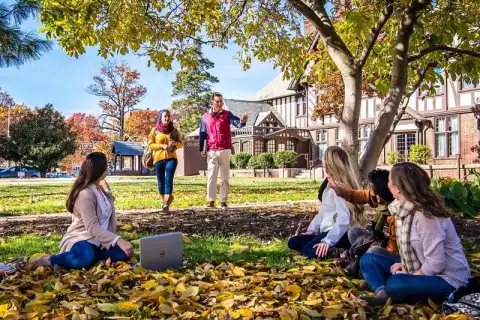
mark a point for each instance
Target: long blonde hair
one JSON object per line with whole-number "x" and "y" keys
{"x": 338, "y": 166}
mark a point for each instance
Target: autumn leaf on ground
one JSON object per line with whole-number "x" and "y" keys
{"x": 126, "y": 227}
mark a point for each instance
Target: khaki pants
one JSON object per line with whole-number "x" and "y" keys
{"x": 218, "y": 160}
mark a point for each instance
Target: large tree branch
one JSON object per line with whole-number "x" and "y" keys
{"x": 318, "y": 17}
{"x": 397, "y": 88}
{"x": 438, "y": 47}
{"x": 406, "y": 99}
{"x": 387, "y": 13}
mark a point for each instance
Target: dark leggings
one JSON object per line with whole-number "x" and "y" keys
{"x": 304, "y": 243}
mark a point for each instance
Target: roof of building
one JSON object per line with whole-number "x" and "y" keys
{"x": 276, "y": 88}
{"x": 125, "y": 148}
{"x": 256, "y": 112}
{"x": 252, "y": 108}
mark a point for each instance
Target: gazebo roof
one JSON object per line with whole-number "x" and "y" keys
{"x": 125, "y": 148}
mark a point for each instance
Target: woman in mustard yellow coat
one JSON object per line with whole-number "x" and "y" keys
{"x": 164, "y": 139}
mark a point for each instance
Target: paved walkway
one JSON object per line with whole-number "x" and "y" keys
{"x": 158, "y": 211}
{"x": 20, "y": 181}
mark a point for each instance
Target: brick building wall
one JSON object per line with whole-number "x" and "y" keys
{"x": 468, "y": 137}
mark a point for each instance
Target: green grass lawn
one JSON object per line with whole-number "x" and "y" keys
{"x": 38, "y": 198}
{"x": 213, "y": 249}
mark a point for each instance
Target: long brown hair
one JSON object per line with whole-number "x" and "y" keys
{"x": 414, "y": 184}
{"x": 338, "y": 166}
{"x": 91, "y": 170}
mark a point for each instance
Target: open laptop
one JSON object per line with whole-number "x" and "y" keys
{"x": 161, "y": 252}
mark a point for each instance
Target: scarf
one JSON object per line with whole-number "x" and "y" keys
{"x": 167, "y": 129}
{"x": 404, "y": 212}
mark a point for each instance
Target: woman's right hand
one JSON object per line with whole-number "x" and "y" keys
{"x": 164, "y": 146}
{"x": 126, "y": 247}
{"x": 398, "y": 268}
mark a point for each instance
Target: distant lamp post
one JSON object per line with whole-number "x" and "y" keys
{"x": 476, "y": 112}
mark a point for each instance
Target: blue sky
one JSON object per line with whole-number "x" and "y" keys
{"x": 61, "y": 80}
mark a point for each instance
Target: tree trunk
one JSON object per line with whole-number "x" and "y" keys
{"x": 122, "y": 121}
{"x": 351, "y": 114}
{"x": 395, "y": 94}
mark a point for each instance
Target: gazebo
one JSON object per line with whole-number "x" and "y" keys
{"x": 127, "y": 158}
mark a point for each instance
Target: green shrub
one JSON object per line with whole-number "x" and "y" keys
{"x": 240, "y": 160}
{"x": 420, "y": 154}
{"x": 394, "y": 157}
{"x": 253, "y": 163}
{"x": 266, "y": 160}
{"x": 285, "y": 159}
{"x": 461, "y": 197}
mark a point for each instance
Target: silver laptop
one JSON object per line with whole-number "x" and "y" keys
{"x": 161, "y": 252}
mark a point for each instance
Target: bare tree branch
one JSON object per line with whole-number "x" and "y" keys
{"x": 387, "y": 13}
{"x": 436, "y": 47}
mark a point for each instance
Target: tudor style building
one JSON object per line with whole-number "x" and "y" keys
{"x": 280, "y": 119}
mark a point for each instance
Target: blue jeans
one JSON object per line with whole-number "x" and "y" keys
{"x": 84, "y": 254}
{"x": 165, "y": 170}
{"x": 304, "y": 243}
{"x": 401, "y": 287}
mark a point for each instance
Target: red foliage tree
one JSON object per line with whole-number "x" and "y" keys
{"x": 89, "y": 135}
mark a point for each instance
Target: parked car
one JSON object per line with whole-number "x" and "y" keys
{"x": 13, "y": 172}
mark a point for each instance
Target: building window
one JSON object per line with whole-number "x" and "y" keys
{"x": 290, "y": 145}
{"x": 258, "y": 147}
{"x": 338, "y": 142}
{"x": 281, "y": 147}
{"x": 236, "y": 147}
{"x": 363, "y": 134}
{"x": 322, "y": 135}
{"x": 322, "y": 143}
{"x": 271, "y": 145}
{"x": 301, "y": 106}
{"x": 446, "y": 136}
{"x": 247, "y": 147}
{"x": 404, "y": 142}
{"x": 465, "y": 85}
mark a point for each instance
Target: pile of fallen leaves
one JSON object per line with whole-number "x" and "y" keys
{"x": 224, "y": 291}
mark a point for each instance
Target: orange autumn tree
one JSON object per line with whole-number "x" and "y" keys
{"x": 17, "y": 112}
{"x": 139, "y": 124}
{"x": 89, "y": 135}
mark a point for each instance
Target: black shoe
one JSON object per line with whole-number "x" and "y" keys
{"x": 334, "y": 253}
{"x": 223, "y": 205}
{"x": 375, "y": 300}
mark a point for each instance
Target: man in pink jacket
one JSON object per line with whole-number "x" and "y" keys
{"x": 215, "y": 128}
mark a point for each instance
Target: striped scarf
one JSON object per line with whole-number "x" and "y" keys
{"x": 404, "y": 212}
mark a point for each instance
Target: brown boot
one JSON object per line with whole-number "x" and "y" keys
{"x": 211, "y": 204}
{"x": 170, "y": 200}
{"x": 364, "y": 286}
{"x": 165, "y": 206}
